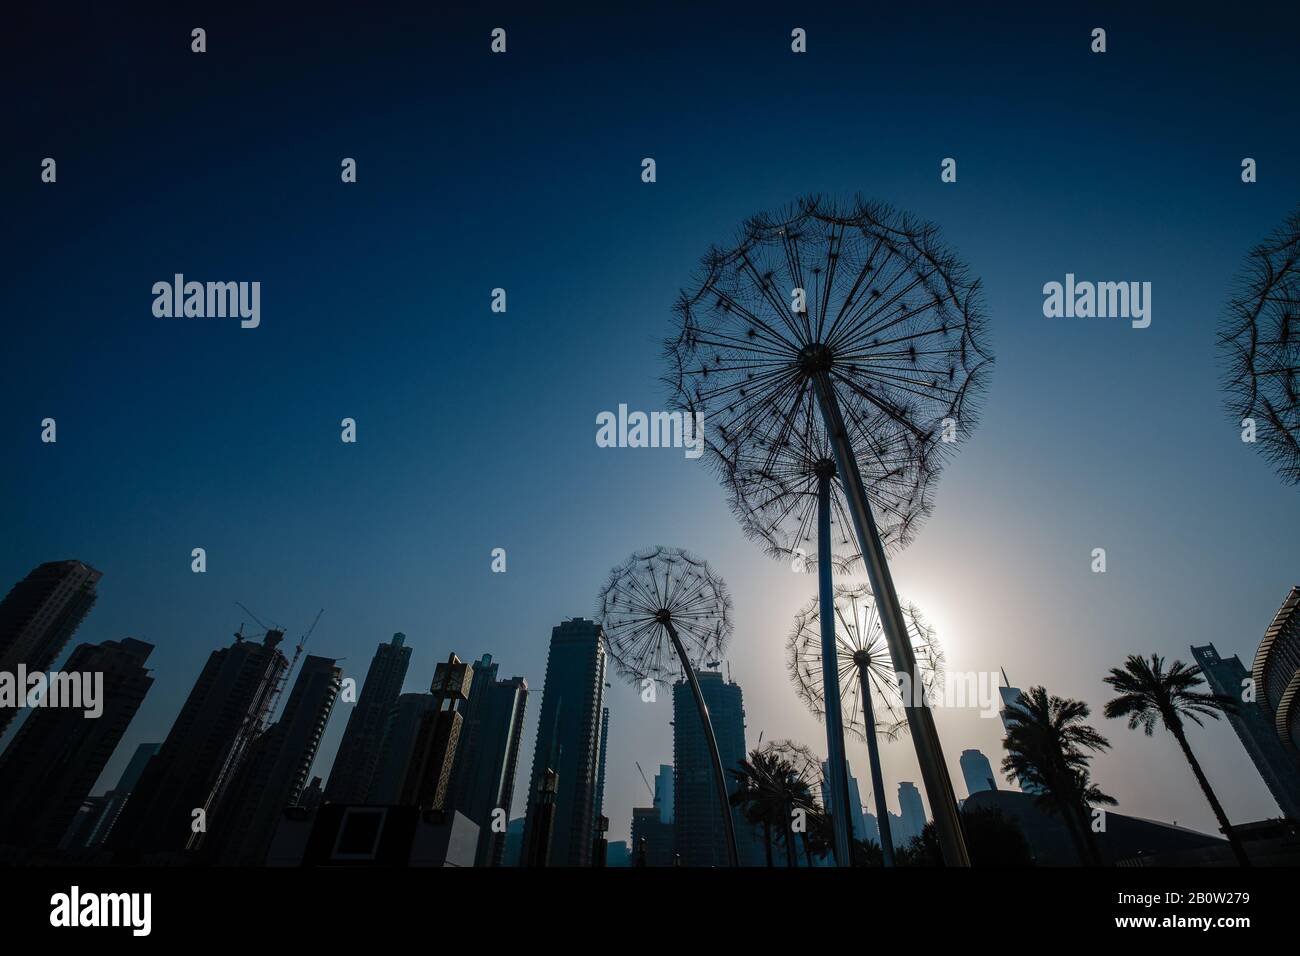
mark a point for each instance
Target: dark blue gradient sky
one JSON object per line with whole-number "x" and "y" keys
{"x": 476, "y": 430}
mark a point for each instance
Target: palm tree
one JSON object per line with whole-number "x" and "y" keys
{"x": 749, "y": 799}
{"x": 1149, "y": 694}
{"x": 771, "y": 790}
{"x": 1047, "y": 747}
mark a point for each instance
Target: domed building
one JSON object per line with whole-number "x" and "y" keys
{"x": 1277, "y": 671}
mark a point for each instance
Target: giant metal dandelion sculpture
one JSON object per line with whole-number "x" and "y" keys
{"x": 665, "y": 613}
{"x": 869, "y": 690}
{"x": 844, "y": 336}
{"x": 1261, "y": 341}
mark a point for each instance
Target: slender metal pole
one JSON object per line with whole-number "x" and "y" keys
{"x": 877, "y": 778}
{"x": 839, "y": 777}
{"x": 929, "y": 753}
{"x": 719, "y": 780}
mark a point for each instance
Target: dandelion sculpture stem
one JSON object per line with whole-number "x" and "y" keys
{"x": 877, "y": 776}
{"x": 719, "y": 781}
{"x": 836, "y": 756}
{"x": 929, "y": 754}
{"x": 668, "y": 593}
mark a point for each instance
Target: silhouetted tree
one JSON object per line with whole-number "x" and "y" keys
{"x": 1149, "y": 694}
{"x": 1047, "y": 746}
{"x": 993, "y": 840}
{"x": 771, "y": 790}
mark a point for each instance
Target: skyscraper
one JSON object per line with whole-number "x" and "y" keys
{"x": 59, "y": 752}
{"x": 977, "y": 771}
{"x": 698, "y": 823}
{"x": 487, "y": 755}
{"x": 913, "y": 820}
{"x": 600, "y": 765}
{"x": 205, "y": 747}
{"x": 514, "y": 842}
{"x": 94, "y": 831}
{"x": 402, "y": 727}
{"x": 568, "y": 740}
{"x": 358, "y": 754}
{"x": 663, "y": 791}
{"x": 871, "y": 827}
{"x": 1255, "y": 728}
{"x": 650, "y": 832}
{"x": 40, "y": 614}
{"x": 278, "y": 766}
{"x": 1010, "y": 695}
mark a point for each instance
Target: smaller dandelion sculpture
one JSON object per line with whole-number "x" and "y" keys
{"x": 665, "y": 613}
{"x": 1261, "y": 342}
{"x": 870, "y": 693}
{"x": 802, "y": 786}
{"x": 805, "y": 763}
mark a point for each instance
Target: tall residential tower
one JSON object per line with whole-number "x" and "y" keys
{"x": 205, "y": 747}
{"x": 568, "y": 744}
{"x": 40, "y": 614}
{"x": 59, "y": 752}
{"x": 357, "y": 760}
{"x": 698, "y": 823}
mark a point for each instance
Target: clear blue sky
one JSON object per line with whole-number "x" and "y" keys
{"x": 476, "y": 430}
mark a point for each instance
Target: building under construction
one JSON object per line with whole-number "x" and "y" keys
{"x": 230, "y": 704}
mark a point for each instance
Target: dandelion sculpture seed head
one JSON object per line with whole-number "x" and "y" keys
{"x": 806, "y": 765}
{"x": 650, "y": 591}
{"x": 863, "y": 653}
{"x": 1261, "y": 341}
{"x": 861, "y": 294}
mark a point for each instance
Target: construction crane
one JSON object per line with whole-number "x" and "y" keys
{"x": 284, "y": 679}
{"x": 645, "y": 778}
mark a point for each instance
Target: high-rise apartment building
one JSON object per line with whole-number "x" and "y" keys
{"x": 357, "y": 759}
{"x": 568, "y": 743}
{"x": 277, "y": 768}
{"x": 1255, "y": 727}
{"x": 663, "y": 792}
{"x": 205, "y": 748}
{"x": 698, "y": 823}
{"x": 856, "y": 823}
{"x": 95, "y": 821}
{"x": 59, "y": 752}
{"x": 40, "y": 614}
{"x": 1010, "y": 696}
{"x": 401, "y": 730}
{"x": 487, "y": 755}
{"x": 977, "y": 772}
{"x": 913, "y": 817}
